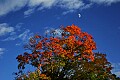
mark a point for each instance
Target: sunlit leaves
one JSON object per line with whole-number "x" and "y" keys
{"x": 68, "y": 55}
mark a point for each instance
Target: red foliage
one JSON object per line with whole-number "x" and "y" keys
{"x": 72, "y": 42}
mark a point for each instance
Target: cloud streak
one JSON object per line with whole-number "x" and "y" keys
{"x": 7, "y": 6}
{"x": 24, "y": 36}
{"x": 2, "y": 51}
{"x": 43, "y": 3}
{"x": 108, "y": 2}
{"x": 15, "y": 33}
{"x": 28, "y": 12}
{"x": 5, "y": 29}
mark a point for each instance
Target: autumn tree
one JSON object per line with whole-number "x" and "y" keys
{"x": 65, "y": 56}
{"x": 99, "y": 69}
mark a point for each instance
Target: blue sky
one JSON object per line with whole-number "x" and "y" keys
{"x": 20, "y": 19}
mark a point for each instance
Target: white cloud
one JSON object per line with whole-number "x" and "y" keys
{"x": 7, "y": 6}
{"x": 14, "y": 32}
{"x": 108, "y": 2}
{"x": 86, "y": 6}
{"x": 13, "y": 37}
{"x": 2, "y": 50}
{"x": 28, "y": 12}
{"x": 18, "y": 26}
{"x": 117, "y": 73}
{"x": 70, "y": 4}
{"x": 24, "y": 36}
{"x": 21, "y": 35}
{"x": 5, "y": 28}
{"x": 43, "y": 3}
{"x": 18, "y": 44}
{"x": 69, "y": 11}
{"x": 116, "y": 69}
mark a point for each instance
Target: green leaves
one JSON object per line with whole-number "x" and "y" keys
{"x": 66, "y": 57}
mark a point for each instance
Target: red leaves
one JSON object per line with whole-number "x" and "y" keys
{"x": 19, "y": 57}
{"x": 73, "y": 48}
{"x": 37, "y": 36}
{"x": 74, "y": 42}
{"x": 73, "y": 30}
{"x": 39, "y": 45}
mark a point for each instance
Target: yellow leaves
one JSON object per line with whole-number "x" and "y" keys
{"x": 37, "y": 75}
{"x": 62, "y": 63}
{"x": 62, "y": 55}
{"x": 42, "y": 75}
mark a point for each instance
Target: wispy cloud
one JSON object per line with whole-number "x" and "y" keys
{"x": 71, "y": 4}
{"x": 24, "y": 36}
{"x": 5, "y": 28}
{"x": 18, "y": 26}
{"x": 69, "y": 11}
{"x": 43, "y": 3}
{"x": 68, "y": 5}
{"x": 28, "y": 12}
{"x": 108, "y": 2}
{"x": 2, "y": 51}
{"x": 117, "y": 73}
{"x": 86, "y": 6}
{"x": 7, "y": 6}
{"x": 15, "y": 33}
{"x": 116, "y": 69}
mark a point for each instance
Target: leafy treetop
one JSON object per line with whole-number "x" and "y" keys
{"x": 68, "y": 55}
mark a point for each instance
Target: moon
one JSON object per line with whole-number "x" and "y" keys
{"x": 79, "y": 15}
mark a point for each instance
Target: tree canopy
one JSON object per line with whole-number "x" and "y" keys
{"x": 67, "y": 55}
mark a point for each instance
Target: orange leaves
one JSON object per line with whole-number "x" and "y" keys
{"x": 72, "y": 41}
{"x": 39, "y": 45}
{"x": 56, "y": 55}
{"x": 71, "y": 37}
{"x": 91, "y": 58}
{"x": 19, "y": 57}
{"x": 78, "y": 42}
{"x": 23, "y": 58}
{"x": 54, "y": 39}
{"x": 42, "y": 75}
{"x": 37, "y": 36}
{"x": 73, "y": 29}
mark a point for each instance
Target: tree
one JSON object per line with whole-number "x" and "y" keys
{"x": 99, "y": 69}
{"x": 65, "y": 56}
